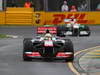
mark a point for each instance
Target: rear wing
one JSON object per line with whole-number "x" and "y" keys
{"x": 42, "y": 30}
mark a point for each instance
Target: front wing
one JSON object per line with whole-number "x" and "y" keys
{"x": 80, "y": 33}
{"x": 60, "y": 55}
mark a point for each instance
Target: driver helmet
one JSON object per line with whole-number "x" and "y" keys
{"x": 48, "y": 35}
{"x": 72, "y": 17}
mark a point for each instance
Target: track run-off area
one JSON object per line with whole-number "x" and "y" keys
{"x": 86, "y": 60}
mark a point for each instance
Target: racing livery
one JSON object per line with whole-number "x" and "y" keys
{"x": 74, "y": 30}
{"x": 48, "y": 47}
{"x": 52, "y": 29}
{"x": 72, "y": 27}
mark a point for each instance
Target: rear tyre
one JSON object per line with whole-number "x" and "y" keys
{"x": 75, "y": 32}
{"x": 88, "y": 31}
{"x": 27, "y": 47}
{"x": 61, "y": 31}
{"x": 69, "y": 48}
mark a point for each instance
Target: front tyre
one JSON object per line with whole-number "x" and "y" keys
{"x": 61, "y": 31}
{"x": 27, "y": 47}
{"x": 69, "y": 48}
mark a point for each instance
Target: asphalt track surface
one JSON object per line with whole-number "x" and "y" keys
{"x": 11, "y": 62}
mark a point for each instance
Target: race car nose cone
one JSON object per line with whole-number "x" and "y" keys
{"x": 48, "y": 52}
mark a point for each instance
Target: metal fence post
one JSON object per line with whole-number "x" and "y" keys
{"x": 4, "y": 4}
{"x": 45, "y": 5}
{"x": 89, "y": 5}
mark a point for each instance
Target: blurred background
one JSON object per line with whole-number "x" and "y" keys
{"x": 53, "y": 5}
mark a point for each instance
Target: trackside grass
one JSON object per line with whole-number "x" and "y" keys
{"x": 3, "y": 36}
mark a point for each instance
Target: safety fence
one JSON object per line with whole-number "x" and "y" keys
{"x": 19, "y": 16}
{"x": 2, "y": 17}
{"x": 26, "y": 16}
{"x": 82, "y": 17}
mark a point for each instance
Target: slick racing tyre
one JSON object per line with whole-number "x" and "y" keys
{"x": 75, "y": 32}
{"x": 27, "y": 47}
{"x": 69, "y": 48}
{"x": 61, "y": 31}
{"x": 88, "y": 30}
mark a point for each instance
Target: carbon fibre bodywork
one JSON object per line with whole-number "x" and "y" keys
{"x": 79, "y": 30}
{"x": 56, "y": 48}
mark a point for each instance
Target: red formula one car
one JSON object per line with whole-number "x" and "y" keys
{"x": 52, "y": 29}
{"x": 48, "y": 47}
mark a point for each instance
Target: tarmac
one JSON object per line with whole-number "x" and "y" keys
{"x": 90, "y": 61}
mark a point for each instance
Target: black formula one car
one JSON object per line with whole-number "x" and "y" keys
{"x": 48, "y": 47}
